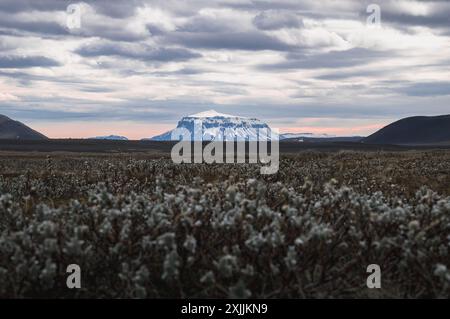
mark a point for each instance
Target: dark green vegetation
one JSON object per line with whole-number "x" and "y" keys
{"x": 143, "y": 227}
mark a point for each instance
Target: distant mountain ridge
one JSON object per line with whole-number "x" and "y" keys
{"x": 10, "y": 129}
{"x": 415, "y": 130}
{"x": 110, "y": 137}
{"x": 318, "y": 139}
{"x": 302, "y": 135}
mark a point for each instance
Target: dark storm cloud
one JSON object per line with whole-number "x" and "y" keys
{"x": 142, "y": 53}
{"x": 333, "y": 59}
{"x": 426, "y": 89}
{"x": 20, "y": 62}
{"x": 274, "y": 20}
{"x": 249, "y": 41}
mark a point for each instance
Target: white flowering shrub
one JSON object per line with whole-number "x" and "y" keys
{"x": 146, "y": 228}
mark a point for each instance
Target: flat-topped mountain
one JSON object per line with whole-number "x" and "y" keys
{"x": 215, "y": 125}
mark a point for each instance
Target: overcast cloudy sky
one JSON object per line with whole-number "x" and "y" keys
{"x": 136, "y": 67}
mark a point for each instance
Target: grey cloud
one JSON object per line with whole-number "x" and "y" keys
{"x": 89, "y": 28}
{"x": 352, "y": 74}
{"x": 332, "y": 59}
{"x": 4, "y": 46}
{"x": 206, "y": 25}
{"x": 259, "y": 5}
{"x": 46, "y": 114}
{"x": 170, "y": 111}
{"x": 359, "y": 108}
{"x": 20, "y": 62}
{"x": 110, "y": 31}
{"x": 249, "y": 41}
{"x": 39, "y": 27}
{"x": 48, "y": 109}
{"x": 438, "y": 20}
{"x": 27, "y": 79}
{"x": 276, "y": 19}
{"x": 183, "y": 71}
{"x": 142, "y": 53}
{"x": 426, "y": 89}
{"x": 92, "y": 26}
{"x": 230, "y": 90}
{"x": 155, "y": 30}
{"x": 438, "y": 16}
{"x": 14, "y": 6}
{"x": 96, "y": 89}
{"x": 116, "y": 9}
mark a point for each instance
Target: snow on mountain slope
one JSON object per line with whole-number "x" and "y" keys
{"x": 213, "y": 113}
{"x": 300, "y": 135}
{"x": 214, "y": 125}
{"x": 109, "y": 137}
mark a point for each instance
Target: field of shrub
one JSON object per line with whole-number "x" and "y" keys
{"x": 147, "y": 228}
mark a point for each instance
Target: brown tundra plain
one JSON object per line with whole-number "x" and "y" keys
{"x": 140, "y": 226}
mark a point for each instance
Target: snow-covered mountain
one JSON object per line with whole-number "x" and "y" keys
{"x": 110, "y": 137}
{"x": 302, "y": 135}
{"x": 214, "y": 125}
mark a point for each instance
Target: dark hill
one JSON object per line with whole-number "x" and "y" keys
{"x": 414, "y": 131}
{"x": 10, "y": 129}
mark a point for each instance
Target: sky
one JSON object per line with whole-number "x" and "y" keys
{"x": 134, "y": 68}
